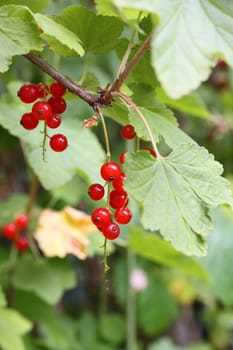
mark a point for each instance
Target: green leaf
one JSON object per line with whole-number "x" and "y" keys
{"x": 98, "y": 34}
{"x": 177, "y": 192}
{"x": 154, "y": 248}
{"x": 12, "y": 327}
{"x": 18, "y": 34}
{"x": 160, "y": 126}
{"x": 35, "y": 6}
{"x": 144, "y": 95}
{"x": 60, "y": 38}
{"x": 191, "y": 104}
{"x": 59, "y": 168}
{"x": 109, "y": 323}
{"x": 156, "y": 308}
{"x": 219, "y": 259}
{"x": 11, "y": 207}
{"x": 189, "y": 38}
{"x": 48, "y": 278}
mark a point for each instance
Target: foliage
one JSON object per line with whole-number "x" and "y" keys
{"x": 122, "y": 62}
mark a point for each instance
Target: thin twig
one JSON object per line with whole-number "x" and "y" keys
{"x": 71, "y": 86}
{"x": 118, "y": 83}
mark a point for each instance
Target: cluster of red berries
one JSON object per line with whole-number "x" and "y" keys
{"x": 118, "y": 200}
{"x": 14, "y": 231}
{"x": 47, "y": 110}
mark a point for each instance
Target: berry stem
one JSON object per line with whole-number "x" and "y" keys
{"x": 44, "y": 141}
{"x": 106, "y": 138}
{"x": 106, "y": 267}
{"x": 137, "y": 110}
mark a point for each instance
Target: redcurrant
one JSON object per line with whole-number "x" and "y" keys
{"x": 100, "y": 217}
{"x": 10, "y": 231}
{"x": 128, "y": 132}
{"x": 28, "y": 121}
{"x": 110, "y": 171}
{"x": 118, "y": 199}
{"x": 22, "y": 244}
{"x": 122, "y": 157}
{"x": 58, "y": 142}
{"x": 21, "y": 221}
{"x": 111, "y": 230}
{"x": 53, "y": 121}
{"x": 43, "y": 90}
{"x": 123, "y": 215}
{"x": 41, "y": 110}
{"x": 28, "y": 93}
{"x": 58, "y": 104}
{"x": 57, "y": 89}
{"x": 119, "y": 182}
{"x": 96, "y": 191}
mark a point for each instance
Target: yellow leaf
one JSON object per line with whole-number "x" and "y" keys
{"x": 64, "y": 232}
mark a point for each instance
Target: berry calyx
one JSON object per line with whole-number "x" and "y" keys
{"x": 53, "y": 121}
{"x": 118, "y": 183}
{"x": 100, "y": 217}
{"x": 58, "y": 142}
{"x": 28, "y": 93}
{"x": 57, "y": 89}
{"x": 41, "y": 110}
{"x": 10, "y": 231}
{"x": 123, "y": 216}
{"x": 29, "y": 121}
{"x": 96, "y": 191}
{"x": 118, "y": 199}
{"x": 128, "y": 132}
{"x": 110, "y": 171}
{"x": 111, "y": 230}
{"x": 58, "y": 104}
{"x": 22, "y": 244}
{"x": 21, "y": 221}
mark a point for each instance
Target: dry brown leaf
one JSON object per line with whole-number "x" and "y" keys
{"x": 64, "y": 232}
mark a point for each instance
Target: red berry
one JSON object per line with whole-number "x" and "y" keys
{"x": 111, "y": 230}
{"x": 96, "y": 191}
{"x": 122, "y": 157}
{"x": 119, "y": 182}
{"x": 58, "y": 104}
{"x": 21, "y": 221}
{"x": 28, "y": 121}
{"x": 10, "y": 231}
{"x": 22, "y": 244}
{"x": 43, "y": 90}
{"x": 123, "y": 215}
{"x": 58, "y": 142}
{"x": 128, "y": 132}
{"x": 57, "y": 89}
{"x": 152, "y": 152}
{"x": 100, "y": 217}
{"x": 41, "y": 110}
{"x": 110, "y": 171}
{"x": 118, "y": 199}
{"x": 28, "y": 93}
{"x": 53, "y": 121}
